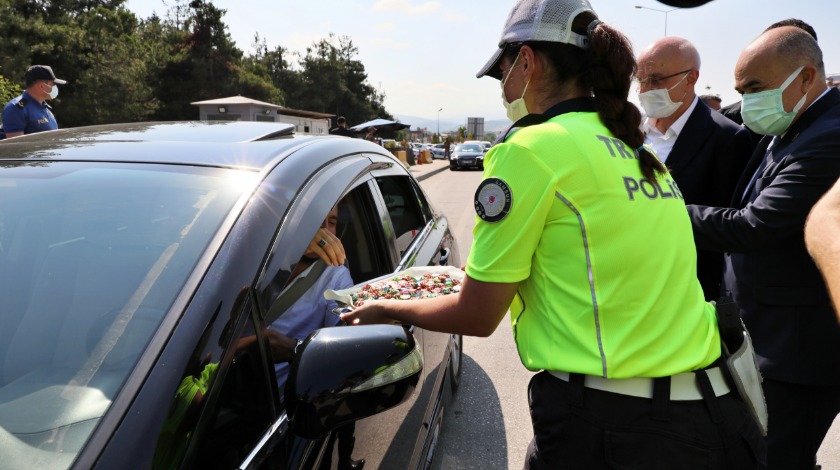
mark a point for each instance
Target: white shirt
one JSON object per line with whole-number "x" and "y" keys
{"x": 663, "y": 143}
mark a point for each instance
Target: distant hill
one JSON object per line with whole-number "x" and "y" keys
{"x": 496, "y": 125}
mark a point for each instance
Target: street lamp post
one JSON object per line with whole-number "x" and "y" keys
{"x": 439, "y": 110}
{"x": 660, "y": 11}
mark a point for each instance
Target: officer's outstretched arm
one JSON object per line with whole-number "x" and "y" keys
{"x": 476, "y": 311}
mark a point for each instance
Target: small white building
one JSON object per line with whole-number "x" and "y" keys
{"x": 240, "y": 108}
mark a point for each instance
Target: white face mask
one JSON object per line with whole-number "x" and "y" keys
{"x": 658, "y": 104}
{"x": 53, "y": 91}
{"x": 517, "y": 109}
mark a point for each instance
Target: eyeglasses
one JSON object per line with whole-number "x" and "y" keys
{"x": 657, "y": 81}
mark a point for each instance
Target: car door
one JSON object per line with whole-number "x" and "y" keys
{"x": 418, "y": 237}
{"x": 364, "y": 231}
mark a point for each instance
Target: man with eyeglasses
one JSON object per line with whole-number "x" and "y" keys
{"x": 29, "y": 112}
{"x": 704, "y": 151}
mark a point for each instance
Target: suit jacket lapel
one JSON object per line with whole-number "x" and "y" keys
{"x": 817, "y": 109}
{"x": 738, "y": 197}
{"x": 691, "y": 138}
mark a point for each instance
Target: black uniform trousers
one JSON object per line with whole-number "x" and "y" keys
{"x": 582, "y": 428}
{"x": 801, "y": 417}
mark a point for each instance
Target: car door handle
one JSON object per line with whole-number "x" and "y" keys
{"x": 444, "y": 256}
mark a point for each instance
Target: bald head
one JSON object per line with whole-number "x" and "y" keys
{"x": 779, "y": 55}
{"x": 787, "y": 46}
{"x": 777, "y": 52}
{"x": 672, "y": 64}
{"x": 674, "y": 50}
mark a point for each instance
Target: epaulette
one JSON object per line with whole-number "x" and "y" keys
{"x": 21, "y": 103}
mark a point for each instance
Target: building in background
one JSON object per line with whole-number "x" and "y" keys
{"x": 240, "y": 108}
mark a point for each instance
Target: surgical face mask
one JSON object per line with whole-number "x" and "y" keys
{"x": 658, "y": 104}
{"x": 517, "y": 109}
{"x": 53, "y": 91}
{"x": 764, "y": 112}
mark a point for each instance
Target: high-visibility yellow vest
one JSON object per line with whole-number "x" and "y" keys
{"x": 604, "y": 258}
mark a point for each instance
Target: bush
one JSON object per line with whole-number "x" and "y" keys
{"x": 8, "y": 90}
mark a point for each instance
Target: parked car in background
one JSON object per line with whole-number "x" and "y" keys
{"x": 140, "y": 266}
{"x": 438, "y": 151}
{"x": 467, "y": 155}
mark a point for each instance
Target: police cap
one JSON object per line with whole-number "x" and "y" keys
{"x": 42, "y": 72}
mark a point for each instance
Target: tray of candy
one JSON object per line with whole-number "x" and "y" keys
{"x": 421, "y": 282}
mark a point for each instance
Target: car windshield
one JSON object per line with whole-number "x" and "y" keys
{"x": 91, "y": 258}
{"x": 468, "y": 148}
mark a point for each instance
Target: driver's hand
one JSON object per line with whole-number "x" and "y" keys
{"x": 326, "y": 246}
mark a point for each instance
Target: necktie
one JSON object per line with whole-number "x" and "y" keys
{"x": 761, "y": 167}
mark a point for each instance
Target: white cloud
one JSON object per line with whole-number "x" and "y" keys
{"x": 406, "y": 7}
{"x": 384, "y": 27}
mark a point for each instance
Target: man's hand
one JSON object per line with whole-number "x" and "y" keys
{"x": 326, "y": 246}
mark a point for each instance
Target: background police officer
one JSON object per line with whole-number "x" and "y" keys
{"x": 602, "y": 301}
{"x": 29, "y": 112}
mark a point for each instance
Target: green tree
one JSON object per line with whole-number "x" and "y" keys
{"x": 333, "y": 80}
{"x": 8, "y": 90}
{"x": 91, "y": 44}
{"x": 205, "y": 64}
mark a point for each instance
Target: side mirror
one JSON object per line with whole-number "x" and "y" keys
{"x": 344, "y": 374}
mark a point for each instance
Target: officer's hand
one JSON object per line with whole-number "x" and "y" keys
{"x": 370, "y": 313}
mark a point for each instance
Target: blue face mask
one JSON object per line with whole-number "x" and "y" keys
{"x": 764, "y": 112}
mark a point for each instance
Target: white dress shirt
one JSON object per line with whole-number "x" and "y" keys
{"x": 663, "y": 143}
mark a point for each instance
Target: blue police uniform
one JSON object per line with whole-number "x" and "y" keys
{"x": 25, "y": 114}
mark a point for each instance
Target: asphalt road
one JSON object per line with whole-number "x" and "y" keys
{"x": 488, "y": 426}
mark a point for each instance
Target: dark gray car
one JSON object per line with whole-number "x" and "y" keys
{"x": 467, "y": 156}
{"x": 140, "y": 265}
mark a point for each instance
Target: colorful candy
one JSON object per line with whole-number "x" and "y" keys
{"x": 408, "y": 288}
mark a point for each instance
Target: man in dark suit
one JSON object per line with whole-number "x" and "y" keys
{"x": 704, "y": 151}
{"x": 784, "y": 302}
{"x": 733, "y": 111}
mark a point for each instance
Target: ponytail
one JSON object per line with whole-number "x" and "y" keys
{"x": 610, "y": 72}
{"x": 606, "y": 69}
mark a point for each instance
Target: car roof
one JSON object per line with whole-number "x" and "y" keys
{"x": 206, "y": 143}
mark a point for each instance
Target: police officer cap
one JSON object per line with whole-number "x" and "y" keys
{"x": 42, "y": 72}
{"x": 538, "y": 20}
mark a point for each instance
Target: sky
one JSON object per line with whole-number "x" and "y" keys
{"x": 423, "y": 54}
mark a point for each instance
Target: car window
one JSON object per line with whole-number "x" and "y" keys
{"x": 468, "y": 148}
{"x": 300, "y": 307}
{"x": 224, "y": 399}
{"x": 91, "y": 257}
{"x": 406, "y": 206}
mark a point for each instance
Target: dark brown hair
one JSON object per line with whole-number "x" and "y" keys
{"x": 605, "y": 69}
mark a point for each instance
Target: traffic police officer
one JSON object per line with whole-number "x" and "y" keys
{"x": 584, "y": 236}
{"x": 29, "y": 112}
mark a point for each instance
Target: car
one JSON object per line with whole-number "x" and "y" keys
{"x": 467, "y": 155}
{"x": 485, "y": 144}
{"x": 140, "y": 265}
{"x": 438, "y": 151}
